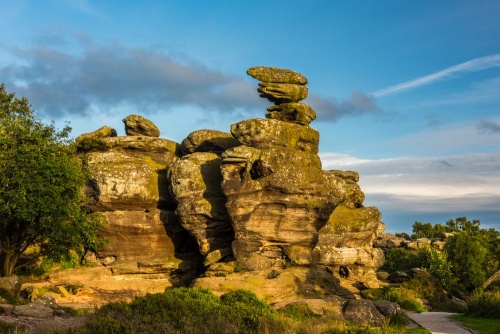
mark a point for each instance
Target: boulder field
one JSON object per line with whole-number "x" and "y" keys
{"x": 251, "y": 208}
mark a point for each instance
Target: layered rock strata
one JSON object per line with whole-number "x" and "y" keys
{"x": 130, "y": 190}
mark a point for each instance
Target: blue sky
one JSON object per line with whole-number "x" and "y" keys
{"x": 407, "y": 93}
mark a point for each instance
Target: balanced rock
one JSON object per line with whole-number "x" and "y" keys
{"x": 278, "y": 75}
{"x": 136, "y": 125}
{"x": 102, "y": 132}
{"x": 195, "y": 181}
{"x": 208, "y": 141}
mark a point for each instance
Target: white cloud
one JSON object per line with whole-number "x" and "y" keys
{"x": 437, "y": 184}
{"x": 473, "y": 65}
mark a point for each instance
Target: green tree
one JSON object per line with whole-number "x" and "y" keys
{"x": 42, "y": 202}
{"x": 427, "y": 230}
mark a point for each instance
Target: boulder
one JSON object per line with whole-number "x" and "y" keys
{"x": 388, "y": 309}
{"x": 40, "y": 308}
{"x": 10, "y": 287}
{"x": 363, "y": 313}
{"x": 398, "y": 277}
{"x": 195, "y": 181}
{"x": 136, "y": 125}
{"x": 208, "y": 141}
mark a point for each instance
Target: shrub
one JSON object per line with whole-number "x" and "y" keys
{"x": 399, "y": 259}
{"x": 404, "y": 297}
{"x": 298, "y": 311}
{"x": 435, "y": 263}
{"x": 485, "y": 304}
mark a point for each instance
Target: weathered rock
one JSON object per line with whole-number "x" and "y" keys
{"x": 195, "y": 181}
{"x": 132, "y": 174}
{"x": 208, "y": 141}
{"x": 10, "y": 287}
{"x": 278, "y": 199}
{"x": 40, "y": 308}
{"x": 388, "y": 309}
{"x": 363, "y": 313}
{"x": 103, "y": 132}
{"x": 136, "y": 125}
{"x": 294, "y": 112}
{"x": 282, "y": 92}
{"x": 274, "y": 74}
{"x": 331, "y": 307}
{"x": 398, "y": 277}
{"x": 6, "y": 309}
{"x": 265, "y": 133}
{"x": 142, "y": 242}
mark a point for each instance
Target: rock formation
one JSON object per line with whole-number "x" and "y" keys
{"x": 253, "y": 207}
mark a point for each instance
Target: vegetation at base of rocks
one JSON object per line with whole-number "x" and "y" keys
{"x": 478, "y": 324}
{"x": 197, "y": 310}
{"x": 485, "y": 304}
{"x": 8, "y": 328}
{"x": 42, "y": 205}
{"x": 407, "y": 299}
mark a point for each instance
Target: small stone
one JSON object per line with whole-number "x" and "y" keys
{"x": 278, "y": 75}
{"x": 139, "y": 126}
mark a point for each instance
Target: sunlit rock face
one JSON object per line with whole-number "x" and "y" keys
{"x": 130, "y": 189}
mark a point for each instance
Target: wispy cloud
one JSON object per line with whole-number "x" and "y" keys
{"x": 488, "y": 126}
{"x": 473, "y": 65}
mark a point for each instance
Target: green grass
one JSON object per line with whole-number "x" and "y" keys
{"x": 7, "y": 328}
{"x": 479, "y": 324}
{"x": 407, "y": 299}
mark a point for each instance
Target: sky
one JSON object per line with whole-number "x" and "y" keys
{"x": 407, "y": 93}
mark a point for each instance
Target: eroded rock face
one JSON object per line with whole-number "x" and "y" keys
{"x": 195, "y": 181}
{"x": 208, "y": 141}
{"x": 277, "y": 195}
{"x": 130, "y": 189}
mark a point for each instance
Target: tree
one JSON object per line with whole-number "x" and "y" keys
{"x": 42, "y": 202}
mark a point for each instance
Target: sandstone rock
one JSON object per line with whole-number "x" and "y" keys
{"x": 273, "y": 74}
{"x": 419, "y": 272}
{"x": 103, "y": 132}
{"x": 265, "y": 133}
{"x": 40, "y": 308}
{"x": 208, "y": 141}
{"x": 6, "y": 309}
{"x": 362, "y": 313}
{"x": 195, "y": 181}
{"x": 10, "y": 287}
{"x": 331, "y": 307}
{"x": 439, "y": 245}
{"x": 277, "y": 199}
{"x": 136, "y": 125}
{"x": 382, "y": 275}
{"x": 132, "y": 175}
{"x": 138, "y": 239}
{"x": 294, "y": 112}
{"x": 282, "y": 92}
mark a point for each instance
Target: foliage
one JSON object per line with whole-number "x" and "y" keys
{"x": 41, "y": 198}
{"x": 91, "y": 144}
{"x": 485, "y": 304}
{"x": 479, "y": 324}
{"x": 9, "y": 328}
{"x": 427, "y": 230}
{"x": 399, "y": 259}
{"x": 407, "y": 299}
{"x": 186, "y": 310}
{"x": 435, "y": 263}
{"x": 298, "y": 311}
